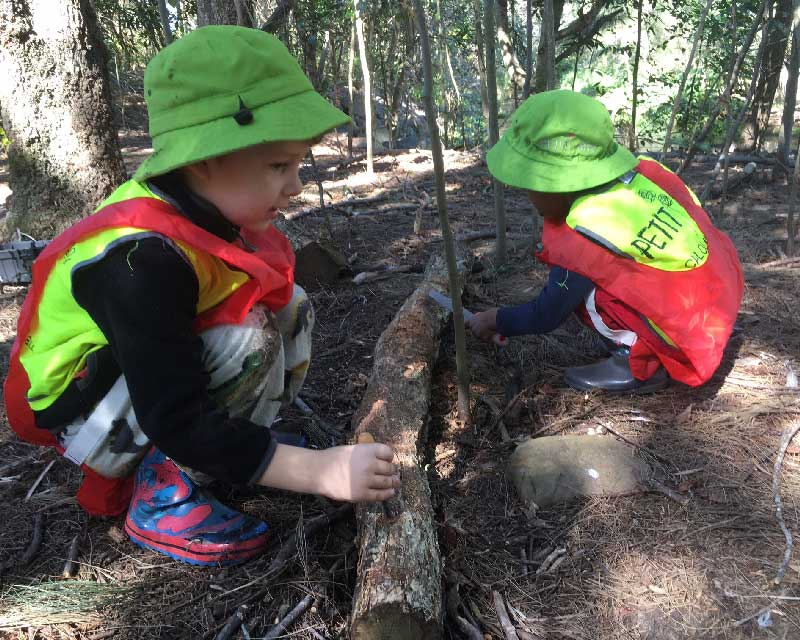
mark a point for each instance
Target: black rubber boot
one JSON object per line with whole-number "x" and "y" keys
{"x": 613, "y": 375}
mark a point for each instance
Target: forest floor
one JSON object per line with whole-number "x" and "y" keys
{"x": 641, "y": 566}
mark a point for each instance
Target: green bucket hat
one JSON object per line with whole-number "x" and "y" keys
{"x": 558, "y": 142}
{"x": 222, "y": 88}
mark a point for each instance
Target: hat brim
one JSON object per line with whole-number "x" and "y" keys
{"x": 553, "y": 175}
{"x": 303, "y": 116}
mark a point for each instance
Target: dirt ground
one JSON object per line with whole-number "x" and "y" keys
{"x": 641, "y": 566}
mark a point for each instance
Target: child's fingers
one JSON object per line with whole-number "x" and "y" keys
{"x": 384, "y": 468}
{"x": 383, "y": 452}
{"x": 379, "y": 495}
{"x": 382, "y": 482}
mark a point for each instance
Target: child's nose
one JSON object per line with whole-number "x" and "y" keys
{"x": 294, "y": 185}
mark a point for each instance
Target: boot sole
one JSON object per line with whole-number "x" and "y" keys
{"x": 202, "y": 554}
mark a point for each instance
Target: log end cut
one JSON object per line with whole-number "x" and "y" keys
{"x": 387, "y": 623}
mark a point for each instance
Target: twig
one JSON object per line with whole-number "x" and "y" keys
{"x": 452, "y": 603}
{"x": 299, "y": 609}
{"x": 788, "y": 435}
{"x": 502, "y": 615}
{"x": 549, "y": 560}
{"x": 371, "y": 276}
{"x": 778, "y": 263}
{"x": 233, "y": 623}
{"x": 655, "y": 485}
{"x": 36, "y": 541}
{"x": 70, "y": 566}
{"x": 39, "y": 480}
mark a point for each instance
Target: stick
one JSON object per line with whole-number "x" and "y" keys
{"x": 464, "y": 626}
{"x": 290, "y": 617}
{"x": 370, "y": 276}
{"x": 70, "y": 567}
{"x": 232, "y": 623}
{"x": 36, "y": 541}
{"x": 655, "y": 485}
{"x": 788, "y": 435}
{"x": 39, "y": 480}
{"x": 550, "y": 559}
{"x": 502, "y": 614}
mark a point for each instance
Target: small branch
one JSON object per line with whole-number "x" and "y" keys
{"x": 38, "y": 480}
{"x": 371, "y": 276}
{"x": 36, "y": 541}
{"x": 502, "y": 615}
{"x": 232, "y": 624}
{"x": 464, "y": 626}
{"x": 290, "y": 617}
{"x": 70, "y": 566}
{"x": 788, "y": 435}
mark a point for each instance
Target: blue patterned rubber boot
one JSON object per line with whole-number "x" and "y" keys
{"x": 171, "y": 515}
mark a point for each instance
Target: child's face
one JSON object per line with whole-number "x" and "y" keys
{"x": 250, "y": 185}
{"x": 553, "y": 206}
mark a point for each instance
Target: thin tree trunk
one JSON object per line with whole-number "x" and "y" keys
{"x": 733, "y": 76}
{"x": 635, "y": 87}
{"x": 462, "y": 365}
{"x": 216, "y": 12}
{"x": 790, "y": 98}
{"x": 64, "y": 156}
{"x": 780, "y": 27}
{"x": 479, "y": 41}
{"x": 491, "y": 84}
{"x": 790, "y": 230}
{"x": 516, "y": 74}
{"x": 698, "y": 34}
{"x": 278, "y": 17}
{"x": 575, "y": 68}
{"x": 164, "y": 15}
{"x": 178, "y": 18}
{"x": 549, "y": 27}
{"x": 737, "y": 122}
{"x": 545, "y": 54}
{"x": 352, "y": 110}
{"x": 362, "y": 53}
{"x": 526, "y": 91}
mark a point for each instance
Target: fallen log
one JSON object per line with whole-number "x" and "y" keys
{"x": 399, "y": 585}
{"x": 316, "y": 263}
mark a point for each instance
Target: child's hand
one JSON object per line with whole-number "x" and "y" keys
{"x": 483, "y": 324}
{"x": 358, "y": 473}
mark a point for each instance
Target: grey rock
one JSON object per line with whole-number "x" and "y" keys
{"x": 561, "y": 468}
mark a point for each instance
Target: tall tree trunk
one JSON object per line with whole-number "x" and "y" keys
{"x": 479, "y": 42}
{"x": 526, "y": 90}
{"x": 780, "y": 27}
{"x": 725, "y": 98}
{"x": 351, "y": 93}
{"x": 216, "y": 12}
{"x": 64, "y": 156}
{"x": 491, "y": 86}
{"x": 698, "y": 34}
{"x": 278, "y": 17}
{"x": 362, "y": 53}
{"x": 736, "y": 122}
{"x": 635, "y": 84}
{"x": 164, "y": 15}
{"x": 545, "y": 54}
{"x": 790, "y": 99}
{"x": 516, "y": 74}
{"x": 462, "y": 365}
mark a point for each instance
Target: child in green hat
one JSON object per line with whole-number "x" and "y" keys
{"x": 162, "y": 334}
{"x": 630, "y": 248}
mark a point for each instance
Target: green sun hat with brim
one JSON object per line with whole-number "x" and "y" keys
{"x": 223, "y": 88}
{"x": 559, "y": 142}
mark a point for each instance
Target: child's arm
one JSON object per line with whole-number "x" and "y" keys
{"x": 354, "y": 473}
{"x": 564, "y": 292}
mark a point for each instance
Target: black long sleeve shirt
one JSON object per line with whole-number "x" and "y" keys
{"x": 143, "y": 297}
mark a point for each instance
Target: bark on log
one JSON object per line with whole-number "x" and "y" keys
{"x": 317, "y": 263}
{"x": 399, "y": 585}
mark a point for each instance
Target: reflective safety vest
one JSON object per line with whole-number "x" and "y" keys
{"x": 659, "y": 266}
{"x": 55, "y": 335}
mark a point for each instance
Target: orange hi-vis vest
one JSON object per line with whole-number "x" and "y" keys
{"x": 55, "y": 335}
{"x": 658, "y": 265}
